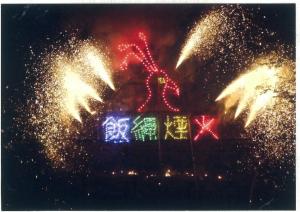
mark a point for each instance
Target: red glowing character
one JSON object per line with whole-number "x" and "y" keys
{"x": 144, "y": 57}
{"x": 206, "y": 125}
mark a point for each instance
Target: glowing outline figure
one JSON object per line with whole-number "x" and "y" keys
{"x": 181, "y": 125}
{"x": 146, "y": 59}
{"x": 116, "y": 129}
{"x": 145, "y": 127}
{"x": 205, "y": 126}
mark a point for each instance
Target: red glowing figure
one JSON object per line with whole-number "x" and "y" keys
{"x": 154, "y": 72}
{"x": 205, "y": 124}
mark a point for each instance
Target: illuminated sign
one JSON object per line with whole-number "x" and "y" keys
{"x": 206, "y": 126}
{"x": 116, "y": 129}
{"x": 177, "y": 127}
{"x": 143, "y": 127}
{"x": 143, "y": 55}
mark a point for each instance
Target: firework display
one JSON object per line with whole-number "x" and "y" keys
{"x": 217, "y": 27}
{"x": 274, "y": 129}
{"x": 67, "y": 79}
{"x": 255, "y": 89}
{"x": 267, "y": 91}
{"x": 199, "y": 114}
{"x": 72, "y": 77}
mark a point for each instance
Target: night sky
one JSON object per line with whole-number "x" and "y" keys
{"x": 227, "y": 176}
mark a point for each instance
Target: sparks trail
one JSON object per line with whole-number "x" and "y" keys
{"x": 152, "y": 69}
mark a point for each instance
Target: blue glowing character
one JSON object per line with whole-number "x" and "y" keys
{"x": 117, "y": 129}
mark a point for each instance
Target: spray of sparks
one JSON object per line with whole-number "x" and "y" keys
{"x": 69, "y": 81}
{"x": 224, "y": 32}
{"x": 209, "y": 32}
{"x": 77, "y": 90}
{"x": 228, "y": 36}
{"x": 255, "y": 89}
{"x": 267, "y": 91}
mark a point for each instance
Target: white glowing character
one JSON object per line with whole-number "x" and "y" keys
{"x": 116, "y": 129}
